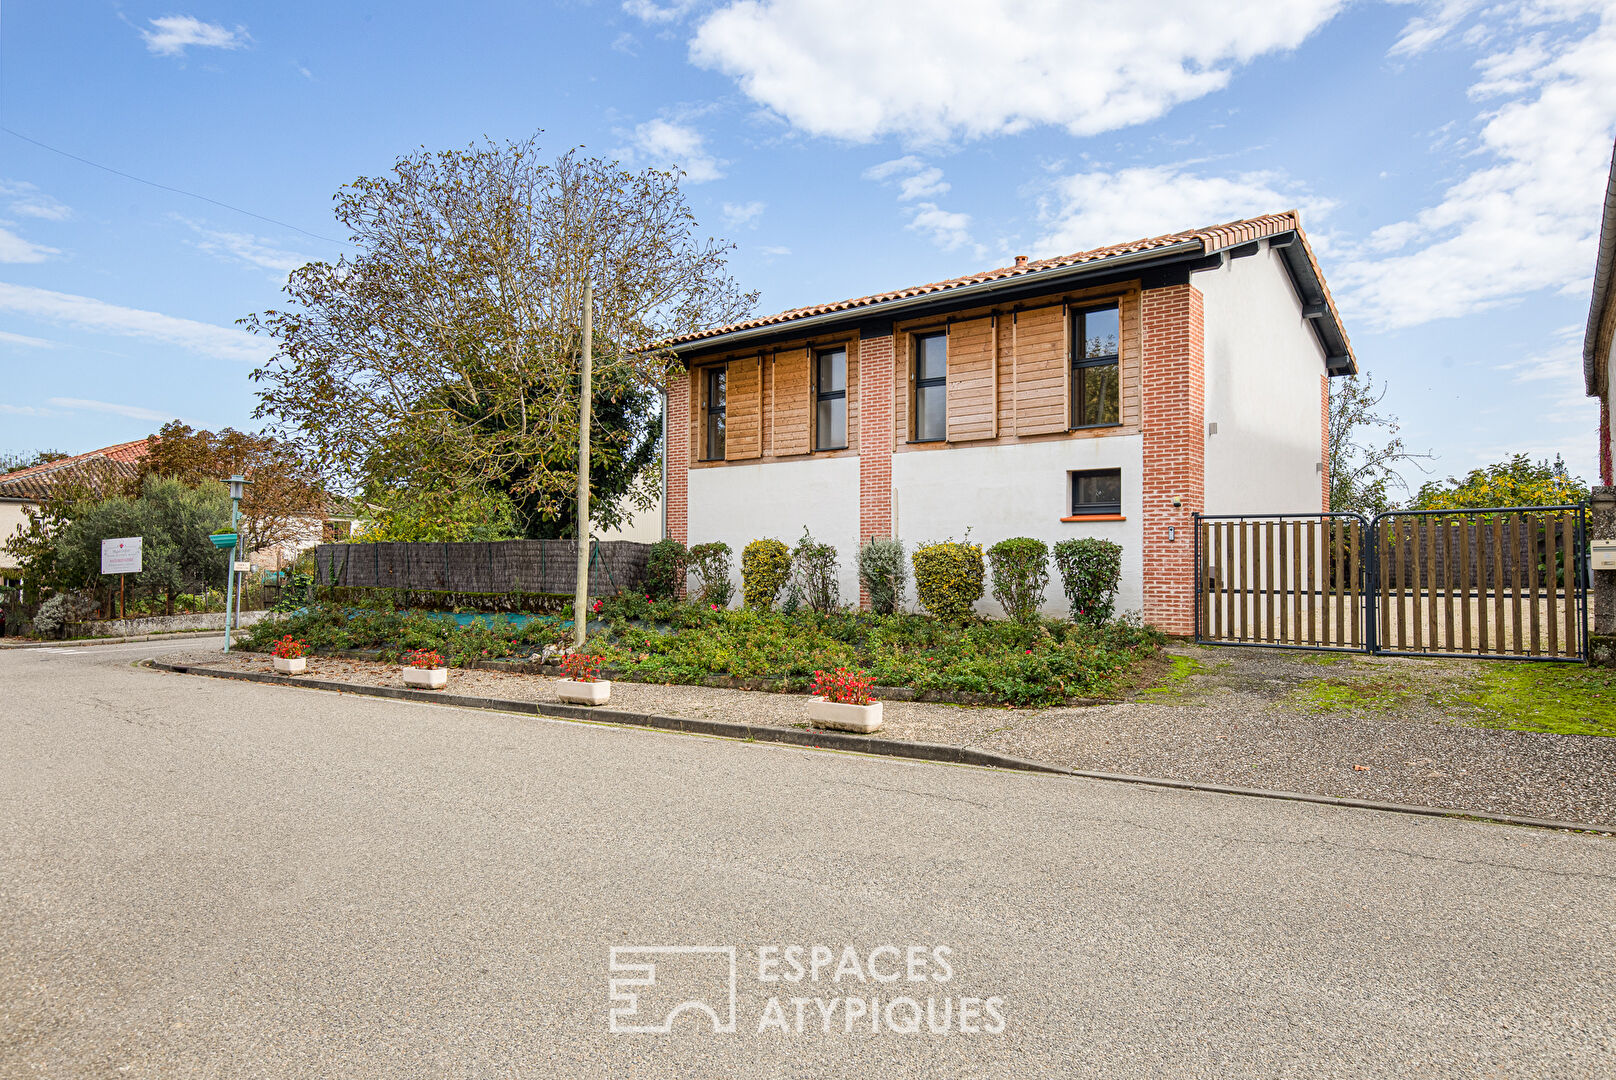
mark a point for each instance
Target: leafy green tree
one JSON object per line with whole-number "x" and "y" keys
{"x": 436, "y": 515}
{"x": 10, "y": 463}
{"x": 1515, "y": 481}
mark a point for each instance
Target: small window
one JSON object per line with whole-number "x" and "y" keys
{"x": 1097, "y": 491}
{"x": 1096, "y": 396}
{"x": 715, "y": 414}
{"x": 931, "y": 387}
{"x": 830, "y": 397}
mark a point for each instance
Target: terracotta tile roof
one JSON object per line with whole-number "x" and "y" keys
{"x": 1212, "y": 238}
{"x": 35, "y": 483}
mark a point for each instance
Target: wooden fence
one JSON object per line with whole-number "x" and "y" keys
{"x": 501, "y": 567}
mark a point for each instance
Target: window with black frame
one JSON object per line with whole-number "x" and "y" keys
{"x": 1096, "y": 491}
{"x": 931, "y": 387}
{"x": 715, "y": 415}
{"x": 1096, "y": 393}
{"x": 830, "y": 399}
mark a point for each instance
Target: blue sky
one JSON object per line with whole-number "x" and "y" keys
{"x": 1449, "y": 159}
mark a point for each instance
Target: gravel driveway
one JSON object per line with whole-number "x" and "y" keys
{"x": 1383, "y": 728}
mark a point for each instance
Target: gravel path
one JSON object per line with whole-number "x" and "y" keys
{"x": 1238, "y": 717}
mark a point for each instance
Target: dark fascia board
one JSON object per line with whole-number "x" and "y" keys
{"x": 1158, "y": 267}
{"x": 1310, "y": 291}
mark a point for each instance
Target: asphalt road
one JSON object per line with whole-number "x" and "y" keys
{"x": 201, "y": 878}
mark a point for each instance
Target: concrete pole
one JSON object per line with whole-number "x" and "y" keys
{"x": 580, "y": 593}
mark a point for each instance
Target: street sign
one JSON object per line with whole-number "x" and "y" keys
{"x": 121, "y": 555}
{"x": 242, "y": 567}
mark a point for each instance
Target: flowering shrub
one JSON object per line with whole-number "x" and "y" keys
{"x": 843, "y": 686}
{"x": 710, "y": 564}
{"x": 582, "y": 667}
{"x": 1020, "y": 575}
{"x": 423, "y": 658}
{"x": 665, "y": 570}
{"x": 948, "y": 578}
{"x": 1090, "y": 570}
{"x": 883, "y": 571}
{"x": 288, "y": 648}
{"x": 765, "y": 568}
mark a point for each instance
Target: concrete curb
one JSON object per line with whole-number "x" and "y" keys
{"x": 857, "y": 744}
{"x": 178, "y": 635}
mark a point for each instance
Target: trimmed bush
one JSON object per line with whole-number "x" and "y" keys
{"x": 1090, "y": 570}
{"x": 710, "y": 564}
{"x": 813, "y": 576}
{"x": 883, "y": 571}
{"x": 765, "y": 569}
{"x": 664, "y": 569}
{"x": 948, "y": 578}
{"x": 60, "y": 611}
{"x": 1020, "y": 575}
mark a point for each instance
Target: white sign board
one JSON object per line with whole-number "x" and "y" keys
{"x": 242, "y": 567}
{"x": 121, "y": 555}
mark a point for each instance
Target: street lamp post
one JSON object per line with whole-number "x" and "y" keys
{"x": 238, "y": 485}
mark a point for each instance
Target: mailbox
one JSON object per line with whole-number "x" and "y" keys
{"x": 1603, "y": 554}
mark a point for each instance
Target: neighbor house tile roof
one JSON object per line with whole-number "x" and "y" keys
{"x": 110, "y": 462}
{"x": 1212, "y": 238}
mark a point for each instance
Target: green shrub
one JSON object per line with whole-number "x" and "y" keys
{"x": 1090, "y": 570}
{"x": 665, "y": 570}
{"x": 710, "y": 564}
{"x": 948, "y": 578}
{"x": 813, "y": 576}
{"x": 884, "y": 571}
{"x": 765, "y": 569}
{"x": 1020, "y": 575}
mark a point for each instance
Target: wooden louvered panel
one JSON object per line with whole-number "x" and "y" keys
{"x": 1129, "y": 315}
{"x": 793, "y": 405}
{"x": 971, "y": 381}
{"x": 743, "y": 409}
{"x": 1041, "y": 370}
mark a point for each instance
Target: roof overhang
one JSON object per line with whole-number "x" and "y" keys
{"x": 1316, "y": 308}
{"x": 1604, "y": 285}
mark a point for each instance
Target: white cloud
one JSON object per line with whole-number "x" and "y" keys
{"x": 1437, "y": 22}
{"x": 1524, "y": 217}
{"x": 773, "y": 249}
{"x": 670, "y": 145}
{"x": 85, "y": 313}
{"x": 245, "y": 248}
{"x": 947, "y": 229}
{"x": 8, "y": 338}
{"x": 652, "y": 12}
{"x": 1093, "y": 209}
{"x": 864, "y": 69}
{"x": 24, "y": 410}
{"x": 133, "y": 412}
{"x": 14, "y": 249}
{"x": 171, "y": 35}
{"x": 26, "y": 200}
{"x": 737, "y": 215}
{"x": 915, "y": 179}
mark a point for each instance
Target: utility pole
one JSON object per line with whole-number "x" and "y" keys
{"x": 580, "y": 592}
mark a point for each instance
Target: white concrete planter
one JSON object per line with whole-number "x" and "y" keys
{"x": 428, "y": 678}
{"x": 286, "y": 666}
{"x": 584, "y": 693}
{"x": 833, "y": 714}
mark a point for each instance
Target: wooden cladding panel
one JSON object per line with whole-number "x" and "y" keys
{"x": 793, "y": 404}
{"x": 1128, "y": 312}
{"x": 971, "y": 381}
{"x": 1041, "y": 362}
{"x": 743, "y": 409}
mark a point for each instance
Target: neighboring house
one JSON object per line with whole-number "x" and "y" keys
{"x": 29, "y": 487}
{"x": 1111, "y": 393}
{"x": 1599, "y": 378}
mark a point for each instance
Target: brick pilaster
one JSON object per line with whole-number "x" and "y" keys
{"x": 678, "y": 454}
{"x": 875, "y": 440}
{"x": 1174, "y": 450}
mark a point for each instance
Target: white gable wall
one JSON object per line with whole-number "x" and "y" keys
{"x": 1263, "y": 364}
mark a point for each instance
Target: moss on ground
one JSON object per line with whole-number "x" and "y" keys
{"x": 1349, "y": 695}
{"x": 1173, "y": 686}
{"x": 1563, "y": 699}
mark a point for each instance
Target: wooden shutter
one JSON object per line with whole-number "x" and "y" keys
{"x": 971, "y": 378}
{"x": 743, "y": 409}
{"x": 1041, "y": 370}
{"x": 792, "y": 404}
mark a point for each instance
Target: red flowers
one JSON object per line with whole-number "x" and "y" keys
{"x": 843, "y": 687}
{"x": 582, "y": 667}
{"x": 288, "y": 648}
{"x": 598, "y": 606}
{"x": 423, "y": 658}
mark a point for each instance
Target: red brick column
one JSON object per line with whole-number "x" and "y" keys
{"x": 678, "y": 455}
{"x": 875, "y": 441}
{"x": 1175, "y": 452}
{"x": 1324, "y": 440}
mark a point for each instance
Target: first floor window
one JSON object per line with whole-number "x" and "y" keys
{"x": 1096, "y": 345}
{"x": 1097, "y": 491}
{"x": 931, "y": 387}
{"x": 830, "y": 398}
{"x": 715, "y": 414}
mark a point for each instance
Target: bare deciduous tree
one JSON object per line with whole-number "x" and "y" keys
{"x": 1363, "y": 473}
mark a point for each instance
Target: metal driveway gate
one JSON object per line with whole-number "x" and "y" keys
{"x": 1506, "y": 583}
